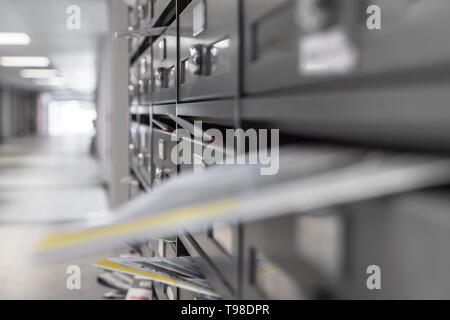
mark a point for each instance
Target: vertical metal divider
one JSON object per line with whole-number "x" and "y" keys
{"x": 238, "y": 124}
{"x": 177, "y": 73}
{"x": 177, "y": 94}
{"x": 151, "y": 138}
{"x": 152, "y": 84}
{"x": 138, "y": 120}
{"x": 130, "y": 116}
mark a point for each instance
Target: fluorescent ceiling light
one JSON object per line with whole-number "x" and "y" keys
{"x": 38, "y": 73}
{"x": 51, "y": 82}
{"x": 14, "y": 38}
{"x": 24, "y": 62}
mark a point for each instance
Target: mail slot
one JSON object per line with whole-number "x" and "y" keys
{"x": 165, "y": 67}
{"x": 208, "y": 49}
{"x": 144, "y": 66}
{"x": 289, "y": 43}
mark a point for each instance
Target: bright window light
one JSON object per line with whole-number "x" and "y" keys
{"x": 38, "y": 73}
{"x": 14, "y": 38}
{"x": 37, "y": 62}
{"x": 51, "y": 82}
{"x": 71, "y": 117}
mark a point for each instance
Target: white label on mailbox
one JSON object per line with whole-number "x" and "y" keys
{"x": 327, "y": 53}
{"x": 161, "y": 149}
{"x": 199, "y": 18}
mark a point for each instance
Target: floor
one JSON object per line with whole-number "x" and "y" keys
{"x": 42, "y": 180}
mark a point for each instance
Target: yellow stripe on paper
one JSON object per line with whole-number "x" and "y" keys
{"x": 108, "y": 264}
{"x": 172, "y": 218}
{"x": 266, "y": 269}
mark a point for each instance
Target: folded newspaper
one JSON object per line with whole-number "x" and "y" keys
{"x": 308, "y": 179}
{"x": 181, "y": 272}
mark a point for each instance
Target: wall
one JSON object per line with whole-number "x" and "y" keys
{"x": 18, "y": 113}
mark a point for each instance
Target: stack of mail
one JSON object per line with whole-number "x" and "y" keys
{"x": 181, "y": 272}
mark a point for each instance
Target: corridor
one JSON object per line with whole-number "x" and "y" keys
{"x": 44, "y": 179}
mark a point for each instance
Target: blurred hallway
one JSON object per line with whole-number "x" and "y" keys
{"x": 46, "y": 178}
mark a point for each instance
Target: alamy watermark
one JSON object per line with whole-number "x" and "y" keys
{"x": 73, "y": 21}
{"x": 373, "y": 282}
{"x": 73, "y": 281}
{"x": 374, "y": 20}
{"x": 210, "y": 147}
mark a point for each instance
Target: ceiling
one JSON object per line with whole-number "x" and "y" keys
{"x": 73, "y": 52}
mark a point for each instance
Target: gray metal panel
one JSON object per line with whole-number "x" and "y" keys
{"x": 277, "y": 68}
{"x": 413, "y": 35}
{"x": 220, "y": 111}
{"x": 164, "y": 109}
{"x": 274, "y": 240}
{"x": 407, "y": 237}
{"x": 272, "y": 40}
{"x": 165, "y": 67}
{"x": 326, "y": 254}
{"x": 412, "y": 116}
{"x": 117, "y": 64}
{"x": 186, "y": 295}
{"x": 220, "y": 36}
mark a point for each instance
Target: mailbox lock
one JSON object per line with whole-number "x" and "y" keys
{"x": 161, "y": 77}
{"x": 197, "y": 63}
